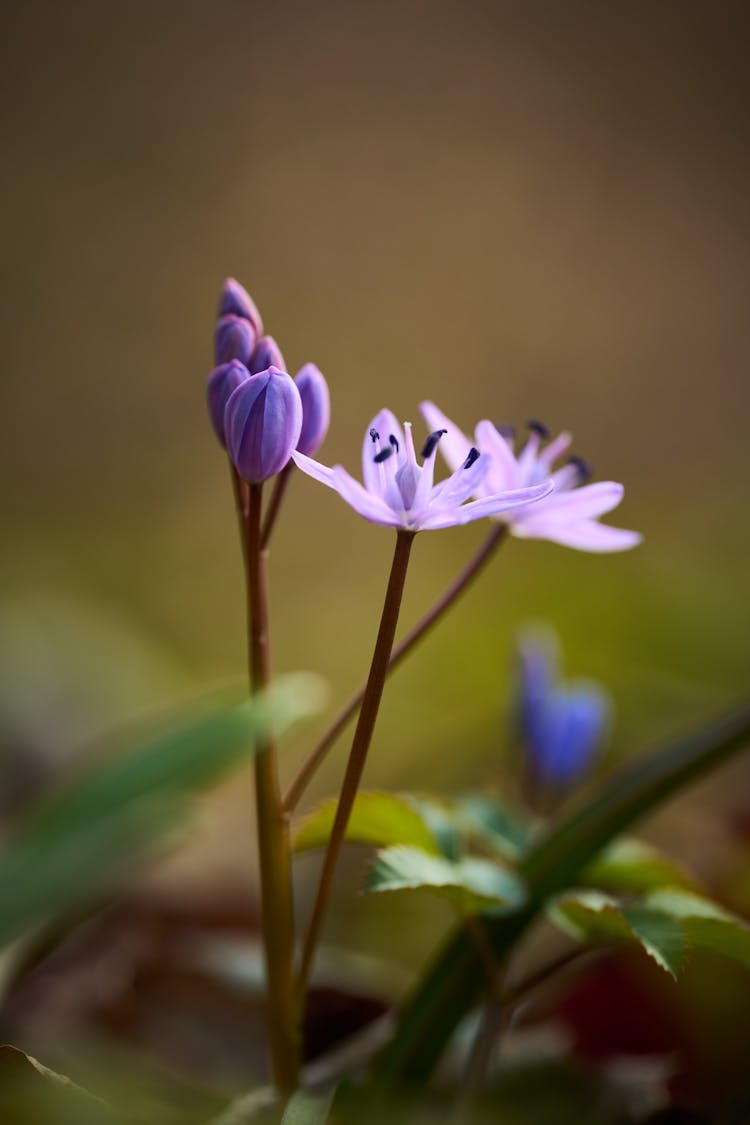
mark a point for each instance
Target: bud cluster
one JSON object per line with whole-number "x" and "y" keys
{"x": 259, "y": 413}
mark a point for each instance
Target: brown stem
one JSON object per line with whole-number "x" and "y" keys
{"x": 273, "y": 828}
{"x": 451, "y": 594}
{"x": 360, "y": 745}
{"x": 279, "y": 488}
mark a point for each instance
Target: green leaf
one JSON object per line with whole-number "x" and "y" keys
{"x": 377, "y": 818}
{"x": 453, "y": 982}
{"x": 490, "y": 821}
{"x": 31, "y": 1092}
{"x": 470, "y": 884}
{"x": 308, "y": 1108}
{"x": 599, "y": 919}
{"x": 629, "y": 865}
{"x": 707, "y": 925}
{"x": 99, "y": 824}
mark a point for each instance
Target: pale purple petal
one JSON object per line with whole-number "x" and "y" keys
{"x": 583, "y": 535}
{"x": 528, "y": 456}
{"x": 588, "y": 502}
{"x": 555, "y": 449}
{"x": 504, "y": 472}
{"x": 462, "y": 484}
{"x": 313, "y": 468}
{"x": 447, "y": 516}
{"x": 377, "y": 477}
{"x": 364, "y": 502}
{"x": 454, "y": 445}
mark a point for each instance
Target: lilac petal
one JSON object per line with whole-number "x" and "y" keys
{"x": 313, "y": 468}
{"x": 555, "y": 449}
{"x": 234, "y": 338}
{"x": 221, "y": 382}
{"x": 316, "y": 407}
{"x": 266, "y": 353}
{"x": 566, "y": 478}
{"x": 454, "y": 445}
{"x": 462, "y": 484}
{"x": 583, "y": 535}
{"x": 448, "y": 516}
{"x": 528, "y": 456}
{"x": 368, "y": 505}
{"x": 236, "y": 300}
{"x": 375, "y": 476}
{"x": 504, "y": 472}
{"x": 568, "y": 730}
{"x": 588, "y": 502}
{"x": 262, "y": 422}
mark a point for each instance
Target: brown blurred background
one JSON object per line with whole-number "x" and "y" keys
{"x": 516, "y": 209}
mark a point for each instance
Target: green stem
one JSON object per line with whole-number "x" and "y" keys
{"x": 451, "y": 594}
{"x": 273, "y": 829}
{"x": 360, "y": 745}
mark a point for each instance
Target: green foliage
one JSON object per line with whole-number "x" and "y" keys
{"x": 99, "y": 825}
{"x": 308, "y": 1108}
{"x": 453, "y": 982}
{"x": 668, "y": 924}
{"x": 377, "y": 818}
{"x": 629, "y": 865}
{"x": 471, "y": 884}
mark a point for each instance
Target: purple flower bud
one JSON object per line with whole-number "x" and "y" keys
{"x": 266, "y": 354}
{"x": 235, "y": 300}
{"x": 221, "y": 382}
{"x": 316, "y": 408}
{"x": 262, "y": 423}
{"x": 234, "y": 338}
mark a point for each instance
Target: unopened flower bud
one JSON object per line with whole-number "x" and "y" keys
{"x": 234, "y": 338}
{"x": 262, "y": 423}
{"x": 235, "y": 300}
{"x": 316, "y": 408}
{"x": 266, "y": 354}
{"x": 221, "y": 382}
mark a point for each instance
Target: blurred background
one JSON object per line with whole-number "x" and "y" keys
{"x": 515, "y": 209}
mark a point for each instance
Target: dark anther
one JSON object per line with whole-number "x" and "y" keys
{"x": 384, "y": 454}
{"x": 507, "y": 432}
{"x": 374, "y": 435}
{"x": 473, "y": 454}
{"x": 585, "y": 472}
{"x": 431, "y": 442}
{"x": 394, "y": 441}
{"x": 538, "y": 428}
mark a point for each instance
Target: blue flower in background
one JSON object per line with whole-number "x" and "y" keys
{"x": 563, "y": 723}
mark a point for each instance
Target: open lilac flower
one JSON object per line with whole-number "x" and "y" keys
{"x": 399, "y": 492}
{"x": 570, "y": 514}
{"x": 562, "y": 722}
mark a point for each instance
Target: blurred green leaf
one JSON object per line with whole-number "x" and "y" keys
{"x": 707, "y": 925}
{"x": 99, "y": 824}
{"x": 599, "y": 919}
{"x": 307, "y": 1108}
{"x": 470, "y": 884}
{"x": 493, "y": 822}
{"x": 630, "y": 865}
{"x": 377, "y": 818}
{"x": 32, "y": 1094}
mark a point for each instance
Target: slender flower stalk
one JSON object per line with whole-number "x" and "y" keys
{"x": 360, "y": 745}
{"x": 273, "y": 829}
{"x": 437, "y": 610}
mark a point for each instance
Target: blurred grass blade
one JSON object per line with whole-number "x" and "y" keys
{"x": 93, "y": 830}
{"x": 307, "y": 1108}
{"x": 452, "y": 985}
